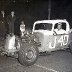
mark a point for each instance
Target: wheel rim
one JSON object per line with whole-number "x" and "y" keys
{"x": 29, "y": 54}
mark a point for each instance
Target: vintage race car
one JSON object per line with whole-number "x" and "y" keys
{"x": 43, "y": 38}
{"x": 49, "y": 39}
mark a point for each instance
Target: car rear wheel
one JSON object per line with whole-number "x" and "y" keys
{"x": 28, "y": 54}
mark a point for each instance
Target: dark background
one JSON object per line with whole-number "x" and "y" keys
{"x": 32, "y": 10}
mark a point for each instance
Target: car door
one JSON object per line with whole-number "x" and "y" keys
{"x": 62, "y": 39}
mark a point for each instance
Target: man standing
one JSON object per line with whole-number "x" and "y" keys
{"x": 2, "y": 24}
{"x": 11, "y": 21}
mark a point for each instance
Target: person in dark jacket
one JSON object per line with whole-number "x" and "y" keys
{"x": 11, "y": 21}
{"x": 2, "y": 24}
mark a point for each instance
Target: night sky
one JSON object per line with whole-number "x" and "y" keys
{"x": 32, "y": 10}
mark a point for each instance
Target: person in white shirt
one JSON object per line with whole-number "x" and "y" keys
{"x": 59, "y": 29}
{"x": 22, "y": 28}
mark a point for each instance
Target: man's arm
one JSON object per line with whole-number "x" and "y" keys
{"x": 55, "y": 32}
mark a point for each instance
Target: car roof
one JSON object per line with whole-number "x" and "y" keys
{"x": 50, "y": 21}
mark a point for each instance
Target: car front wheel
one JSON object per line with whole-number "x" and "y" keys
{"x": 28, "y": 54}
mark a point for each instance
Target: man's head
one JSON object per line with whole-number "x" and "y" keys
{"x": 22, "y": 25}
{"x": 22, "y": 22}
{"x": 59, "y": 26}
{"x": 2, "y": 12}
{"x": 12, "y": 13}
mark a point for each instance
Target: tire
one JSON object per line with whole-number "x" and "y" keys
{"x": 28, "y": 54}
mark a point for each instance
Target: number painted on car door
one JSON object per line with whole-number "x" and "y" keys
{"x": 58, "y": 41}
{"x": 65, "y": 39}
{"x": 62, "y": 40}
{"x": 52, "y": 42}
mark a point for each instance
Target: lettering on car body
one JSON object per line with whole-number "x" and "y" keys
{"x": 59, "y": 40}
{"x": 52, "y": 44}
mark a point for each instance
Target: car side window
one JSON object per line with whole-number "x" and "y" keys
{"x": 60, "y": 28}
{"x": 63, "y": 26}
{"x": 55, "y": 26}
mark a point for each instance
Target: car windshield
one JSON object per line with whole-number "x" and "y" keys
{"x": 43, "y": 26}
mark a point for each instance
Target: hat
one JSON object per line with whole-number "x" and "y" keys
{"x": 59, "y": 23}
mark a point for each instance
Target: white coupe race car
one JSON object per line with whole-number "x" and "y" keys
{"x": 45, "y": 37}
{"x": 49, "y": 39}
